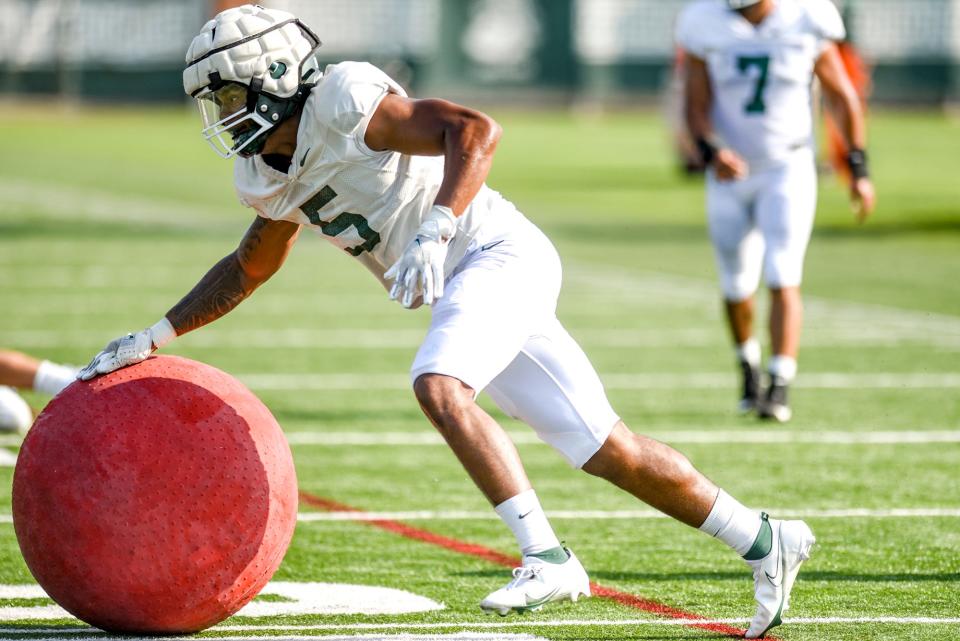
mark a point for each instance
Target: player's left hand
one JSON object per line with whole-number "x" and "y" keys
{"x": 420, "y": 268}
{"x": 863, "y": 198}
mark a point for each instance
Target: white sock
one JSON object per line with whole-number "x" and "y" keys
{"x": 749, "y": 351}
{"x": 526, "y": 519}
{"x": 784, "y": 367}
{"x": 52, "y": 378}
{"x": 15, "y": 414}
{"x": 733, "y": 523}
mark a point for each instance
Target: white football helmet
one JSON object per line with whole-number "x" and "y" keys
{"x": 742, "y": 4}
{"x": 249, "y": 69}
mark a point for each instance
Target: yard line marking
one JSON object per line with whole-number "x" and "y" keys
{"x": 662, "y": 287}
{"x": 528, "y": 437}
{"x": 644, "y": 381}
{"x": 99, "y": 635}
{"x": 499, "y": 558}
{"x": 607, "y": 515}
{"x": 408, "y": 339}
{"x": 460, "y": 636}
{"x": 613, "y": 515}
{"x": 64, "y": 202}
{"x": 756, "y": 437}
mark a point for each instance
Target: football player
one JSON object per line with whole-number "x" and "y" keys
{"x": 20, "y": 371}
{"x": 748, "y": 100}
{"x": 399, "y": 184}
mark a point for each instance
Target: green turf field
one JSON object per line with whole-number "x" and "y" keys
{"x": 108, "y": 217}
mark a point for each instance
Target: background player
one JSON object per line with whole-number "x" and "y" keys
{"x": 399, "y": 184}
{"x": 20, "y": 371}
{"x": 748, "y": 107}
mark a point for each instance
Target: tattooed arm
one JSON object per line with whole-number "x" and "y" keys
{"x": 261, "y": 253}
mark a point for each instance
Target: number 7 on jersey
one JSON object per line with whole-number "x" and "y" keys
{"x": 762, "y": 63}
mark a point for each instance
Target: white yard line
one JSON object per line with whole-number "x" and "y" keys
{"x": 628, "y": 285}
{"x": 762, "y": 437}
{"x": 639, "y": 381}
{"x": 620, "y": 515}
{"x": 459, "y": 636}
{"x": 409, "y": 339}
{"x": 63, "y": 202}
{"x": 663, "y": 288}
{"x": 527, "y": 437}
{"x": 84, "y": 634}
{"x": 608, "y": 515}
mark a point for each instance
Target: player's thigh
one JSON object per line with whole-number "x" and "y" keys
{"x": 786, "y": 206}
{"x": 492, "y": 304}
{"x": 552, "y": 386}
{"x": 737, "y": 243}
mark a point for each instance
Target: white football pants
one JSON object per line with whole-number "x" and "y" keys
{"x": 763, "y": 222}
{"x": 495, "y": 329}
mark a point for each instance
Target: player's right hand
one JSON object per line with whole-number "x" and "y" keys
{"x": 120, "y": 352}
{"x": 863, "y": 198}
{"x": 727, "y": 165}
{"x": 420, "y": 267}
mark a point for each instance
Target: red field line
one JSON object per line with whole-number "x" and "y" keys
{"x": 506, "y": 560}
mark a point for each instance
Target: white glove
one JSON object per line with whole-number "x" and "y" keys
{"x": 420, "y": 268}
{"x": 128, "y": 350}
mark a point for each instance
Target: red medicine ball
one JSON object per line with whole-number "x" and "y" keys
{"x": 160, "y": 498}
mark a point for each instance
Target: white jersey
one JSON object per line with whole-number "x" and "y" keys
{"x": 761, "y": 76}
{"x": 368, "y": 203}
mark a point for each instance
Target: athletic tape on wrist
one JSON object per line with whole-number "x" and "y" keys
{"x": 857, "y": 161}
{"x": 162, "y": 332}
{"x": 708, "y": 151}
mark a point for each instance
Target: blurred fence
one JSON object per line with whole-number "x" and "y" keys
{"x": 133, "y": 49}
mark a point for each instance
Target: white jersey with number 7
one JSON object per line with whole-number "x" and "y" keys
{"x": 761, "y": 76}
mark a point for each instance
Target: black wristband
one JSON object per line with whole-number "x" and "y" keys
{"x": 857, "y": 161}
{"x": 707, "y": 150}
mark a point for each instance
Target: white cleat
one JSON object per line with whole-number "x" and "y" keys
{"x": 538, "y": 583}
{"x": 774, "y": 574}
{"x": 15, "y": 414}
{"x": 775, "y": 405}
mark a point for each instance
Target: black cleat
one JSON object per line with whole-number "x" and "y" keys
{"x": 751, "y": 388}
{"x": 775, "y": 406}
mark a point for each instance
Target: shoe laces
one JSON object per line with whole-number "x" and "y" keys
{"x": 526, "y": 573}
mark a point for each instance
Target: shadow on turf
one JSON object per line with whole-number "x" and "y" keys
{"x": 934, "y": 222}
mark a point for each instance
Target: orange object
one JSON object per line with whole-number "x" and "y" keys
{"x": 859, "y": 74}
{"x": 158, "y": 499}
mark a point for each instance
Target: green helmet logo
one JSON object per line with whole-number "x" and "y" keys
{"x": 277, "y": 69}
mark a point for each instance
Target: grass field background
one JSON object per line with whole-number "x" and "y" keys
{"x": 108, "y": 217}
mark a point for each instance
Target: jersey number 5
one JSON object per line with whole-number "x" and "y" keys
{"x": 340, "y": 223}
{"x": 762, "y": 63}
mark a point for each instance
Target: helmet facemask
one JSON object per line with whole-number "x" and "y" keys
{"x": 742, "y": 4}
{"x": 229, "y": 125}
{"x": 237, "y": 119}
